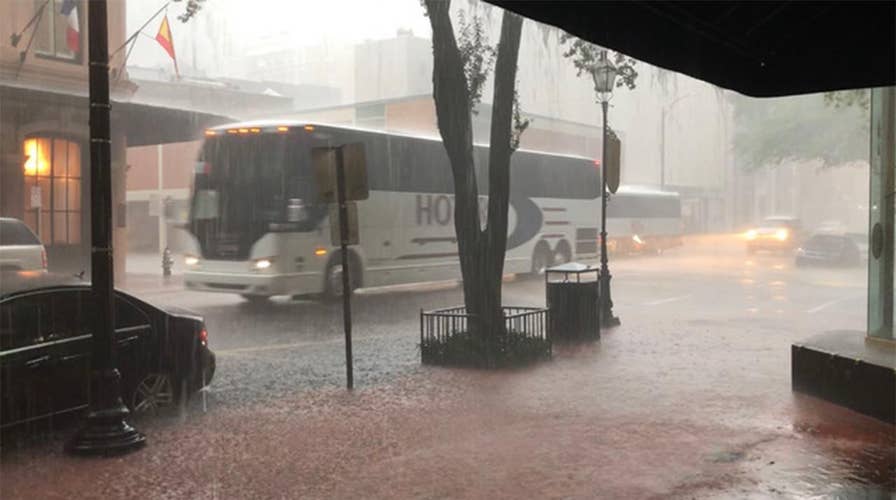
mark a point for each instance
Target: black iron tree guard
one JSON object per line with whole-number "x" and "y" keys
{"x": 604, "y": 75}
{"x": 105, "y": 430}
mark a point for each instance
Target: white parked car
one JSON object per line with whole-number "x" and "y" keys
{"x": 20, "y": 248}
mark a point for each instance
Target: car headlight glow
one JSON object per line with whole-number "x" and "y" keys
{"x": 637, "y": 239}
{"x": 751, "y": 234}
{"x": 191, "y": 260}
{"x": 782, "y": 234}
{"x": 261, "y": 264}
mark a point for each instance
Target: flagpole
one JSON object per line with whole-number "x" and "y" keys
{"x": 134, "y": 36}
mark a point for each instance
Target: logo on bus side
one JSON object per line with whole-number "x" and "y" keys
{"x": 438, "y": 209}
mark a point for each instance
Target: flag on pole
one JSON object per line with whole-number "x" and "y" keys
{"x": 167, "y": 43}
{"x": 69, "y": 10}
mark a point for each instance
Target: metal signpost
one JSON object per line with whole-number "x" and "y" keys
{"x": 351, "y": 184}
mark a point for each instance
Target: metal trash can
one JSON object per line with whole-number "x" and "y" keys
{"x": 572, "y": 298}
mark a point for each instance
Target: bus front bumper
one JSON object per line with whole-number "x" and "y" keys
{"x": 254, "y": 284}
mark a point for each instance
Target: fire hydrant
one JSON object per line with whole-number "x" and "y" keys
{"x": 167, "y": 262}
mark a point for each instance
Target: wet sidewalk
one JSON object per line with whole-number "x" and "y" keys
{"x": 143, "y": 274}
{"x": 671, "y": 410}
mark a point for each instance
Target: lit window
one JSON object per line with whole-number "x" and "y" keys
{"x": 52, "y": 169}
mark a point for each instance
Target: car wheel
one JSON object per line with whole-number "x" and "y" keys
{"x": 153, "y": 393}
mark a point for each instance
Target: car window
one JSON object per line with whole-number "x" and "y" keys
{"x": 127, "y": 315}
{"x": 16, "y": 233}
{"x": 23, "y": 321}
{"x": 69, "y": 311}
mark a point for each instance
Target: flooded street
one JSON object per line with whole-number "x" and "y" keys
{"x": 689, "y": 398}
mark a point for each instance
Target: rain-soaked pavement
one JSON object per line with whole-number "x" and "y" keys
{"x": 689, "y": 398}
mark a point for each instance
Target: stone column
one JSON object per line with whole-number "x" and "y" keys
{"x": 881, "y": 213}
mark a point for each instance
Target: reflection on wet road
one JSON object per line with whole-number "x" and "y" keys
{"x": 689, "y": 398}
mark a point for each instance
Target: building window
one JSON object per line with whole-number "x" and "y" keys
{"x": 53, "y": 189}
{"x": 59, "y": 29}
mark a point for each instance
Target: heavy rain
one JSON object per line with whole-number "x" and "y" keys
{"x": 334, "y": 278}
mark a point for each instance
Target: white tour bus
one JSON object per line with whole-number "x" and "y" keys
{"x": 643, "y": 219}
{"x": 257, "y": 228}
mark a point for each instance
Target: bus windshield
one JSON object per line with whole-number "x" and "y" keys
{"x": 248, "y": 184}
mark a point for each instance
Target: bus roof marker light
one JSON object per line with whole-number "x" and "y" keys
{"x": 320, "y": 252}
{"x": 244, "y": 131}
{"x": 231, "y": 131}
{"x": 210, "y": 133}
{"x": 282, "y": 128}
{"x": 309, "y": 128}
{"x": 255, "y": 130}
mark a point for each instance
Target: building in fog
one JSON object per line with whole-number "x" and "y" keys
{"x": 44, "y": 129}
{"x": 393, "y": 67}
{"x": 44, "y": 134}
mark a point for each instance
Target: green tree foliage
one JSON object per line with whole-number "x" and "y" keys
{"x": 830, "y": 127}
{"x": 193, "y": 7}
{"x": 584, "y": 56}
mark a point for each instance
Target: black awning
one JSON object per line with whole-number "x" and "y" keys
{"x": 146, "y": 124}
{"x": 761, "y": 48}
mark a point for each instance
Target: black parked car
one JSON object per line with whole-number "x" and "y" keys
{"x": 45, "y": 349}
{"x": 829, "y": 250}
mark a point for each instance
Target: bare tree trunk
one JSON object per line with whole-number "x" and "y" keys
{"x": 481, "y": 251}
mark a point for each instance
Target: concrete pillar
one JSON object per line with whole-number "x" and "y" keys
{"x": 881, "y": 214}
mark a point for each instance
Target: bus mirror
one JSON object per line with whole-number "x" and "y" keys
{"x": 354, "y": 164}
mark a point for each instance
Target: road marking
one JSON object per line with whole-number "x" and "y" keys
{"x": 667, "y": 300}
{"x": 830, "y": 303}
{"x": 293, "y": 345}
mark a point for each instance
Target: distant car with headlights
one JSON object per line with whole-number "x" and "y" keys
{"x": 776, "y": 234}
{"x": 20, "y": 248}
{"x": 46, "y": 323}
{"x": 825, "y": 249}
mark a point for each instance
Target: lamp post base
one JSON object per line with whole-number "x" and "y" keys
{"x": 106, "y": 432}
{"x": 609, "y": 321}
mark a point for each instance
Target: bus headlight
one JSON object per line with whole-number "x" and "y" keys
{"x": 781, "y": 234}
{"x": 191, "y": 260}
{"x": 751, "y": 234}
{"x": 262, "y": 264}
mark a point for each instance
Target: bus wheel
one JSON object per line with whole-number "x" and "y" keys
{"x": 256, "y": 299}
{"x": 542, "y": 258}
{"x": 333, "y": 285}
{"x": 563, "y": 254}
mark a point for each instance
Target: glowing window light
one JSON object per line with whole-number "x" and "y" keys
{"x": 37, "y": 160}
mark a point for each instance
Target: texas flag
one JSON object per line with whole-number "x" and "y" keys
{"x": 72, "y": 34}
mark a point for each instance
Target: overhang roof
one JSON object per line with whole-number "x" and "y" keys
{"x": 145, "y": 124}
{"x": 761, "y": 49}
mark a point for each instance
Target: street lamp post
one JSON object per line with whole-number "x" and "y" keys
{"x": 106, "y": 430}
{"x": 604, "y": 75}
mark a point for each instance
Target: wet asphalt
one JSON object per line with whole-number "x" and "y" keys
{"x": 690, "y": 398}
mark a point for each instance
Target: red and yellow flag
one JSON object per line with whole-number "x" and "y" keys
{"x": 167, "y": 43}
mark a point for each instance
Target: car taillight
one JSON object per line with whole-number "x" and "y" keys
{"x": 203, "y": 337}
{"x": 43, "y": 258}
